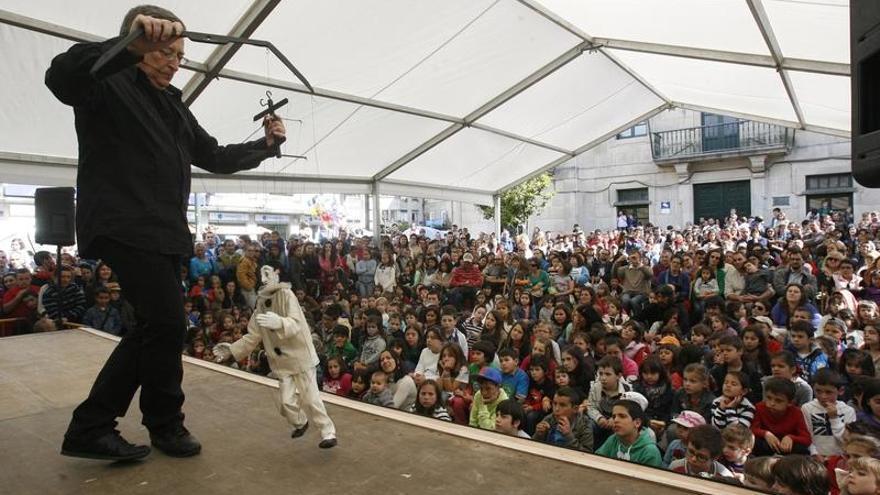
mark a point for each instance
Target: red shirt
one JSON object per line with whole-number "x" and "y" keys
{"x": 21, "y": 310}
{"x": 462, "y": 277}
{"x": 791, "y": 423}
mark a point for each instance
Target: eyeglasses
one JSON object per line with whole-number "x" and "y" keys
{"x": 693, "y": 454}
{"x": 171, "y": 55}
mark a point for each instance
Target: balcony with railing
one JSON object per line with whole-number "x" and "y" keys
{"x": 712, "y": 142}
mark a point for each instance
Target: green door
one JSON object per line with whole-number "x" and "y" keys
{"x": 717, "y": 199}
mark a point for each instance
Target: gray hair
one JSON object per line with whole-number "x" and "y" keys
{"x": 147, "y": 10}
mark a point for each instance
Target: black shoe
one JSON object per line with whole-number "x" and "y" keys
{"x": 327, "y": 443}
{"x": 110, "y": 447}
{"x": 300, "y": 431}
{"x": 176, "y": 442}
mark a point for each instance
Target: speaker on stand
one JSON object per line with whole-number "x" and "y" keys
{"x": 865, "y": 79}
{"x": 55, "y": 212}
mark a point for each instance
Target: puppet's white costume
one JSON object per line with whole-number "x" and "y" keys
{"x": 279, "y": 323}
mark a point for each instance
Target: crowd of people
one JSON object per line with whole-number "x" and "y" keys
{"x": 744, "y": 350}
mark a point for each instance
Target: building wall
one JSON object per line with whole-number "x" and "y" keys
{"x": 586, "y": 187}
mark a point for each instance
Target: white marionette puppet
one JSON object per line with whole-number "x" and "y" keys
{"x": 279, "y": 323}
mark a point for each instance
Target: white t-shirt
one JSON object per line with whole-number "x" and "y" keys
{"x": 427, "y": 365}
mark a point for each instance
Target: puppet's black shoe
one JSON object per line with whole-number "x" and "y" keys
{"x": 298, "y": 432}
{"x": 327, "y": 443}
{"x": 176, "y": 442}
{"x": 109, "y": 447}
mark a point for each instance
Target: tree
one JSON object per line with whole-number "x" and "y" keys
{"x": 520, "y": 202}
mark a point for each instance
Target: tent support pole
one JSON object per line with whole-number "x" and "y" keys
{"x": 377, "y": 217}
{"x": 497, "y": 199}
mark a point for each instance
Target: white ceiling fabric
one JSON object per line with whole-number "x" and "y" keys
{"x": 445, "y": 98}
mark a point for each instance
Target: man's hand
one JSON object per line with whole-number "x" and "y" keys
{"x": 158, "y": 34}
{"x": 269, "y": 320}
{"x": 275, "y": 130}
{"x": 222, "y": 352}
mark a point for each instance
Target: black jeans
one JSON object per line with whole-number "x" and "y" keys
{"x": 149, "y": 356}
{"x": 762, "y": 448}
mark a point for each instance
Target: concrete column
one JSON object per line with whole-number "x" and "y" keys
{"x": 683, "y": 205}
{"x": 377, "y": 216}
{"x": 758, "y": 185}
{"x": 497, "y": 217}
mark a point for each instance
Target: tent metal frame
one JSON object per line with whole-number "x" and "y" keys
{"x": 259, "y": 10}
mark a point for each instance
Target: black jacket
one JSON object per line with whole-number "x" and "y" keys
{"x": 136, "y": 145}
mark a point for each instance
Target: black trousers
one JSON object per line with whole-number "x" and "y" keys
{"x": 149, "y": 356}
{"x": 762, "y": 448}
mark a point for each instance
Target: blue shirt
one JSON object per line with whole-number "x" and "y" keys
{"x": 515, "y": 384}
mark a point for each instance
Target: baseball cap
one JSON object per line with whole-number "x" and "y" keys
{"x": 635, "y": 397}
{"x": 491, "y": 374}
{"x": 467, "y": 257}
{"x": 669, "y": 340}
{"x": 689, "y": 419}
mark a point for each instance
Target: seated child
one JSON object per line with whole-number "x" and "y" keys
{"x": 539, "y": 400}
{"x": 733, "y": 406}
{"x": 694, "y": 394}
{"x": 430, "y": 402}
{"x": 808, "y": 356}
{"x": 779, "y": 425}
{"x": 359, "y": 384}
{"x": 373, "y": 346}
{"x": 514, "y": 381}
{"x": 630, "y": 442}
{"x": 604, "y": 392}
{"x": 337, "y": 380}
{"x": 684, "y": 423}
{"x": 342, "y": 347}
{"x": 757, "y": 281}
{"x": 509, "y": 418}
{"x": 565, "y": 426}
{"x": 783, "y": 365}
{"x": 826, "y": 416}
{"x": 863, "y": 477}
{"x": 738, "y": 444}
{"x": 703, "y": 447}
{"x": 379, "y": 394}
{"x": 800, "y": 475}
{"x": 486, "y": 399}
{"x": 855, "y": 445}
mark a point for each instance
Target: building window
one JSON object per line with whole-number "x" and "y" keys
{"x": 638, "y": 130}
{"x": 828, "y": 193}
{"x": 632, "y": 195}
{"x": 634, "y": 202}
{"x": 829, "y": 181}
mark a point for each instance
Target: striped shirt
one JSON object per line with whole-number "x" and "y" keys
{"x": 744, "y": 413}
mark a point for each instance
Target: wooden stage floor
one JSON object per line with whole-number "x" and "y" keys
{"x": 248, "y": 449}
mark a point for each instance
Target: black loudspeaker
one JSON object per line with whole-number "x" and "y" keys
{"x": 864, "y": 24}
{"x": 56, "y": 216}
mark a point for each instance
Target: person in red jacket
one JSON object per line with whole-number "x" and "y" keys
{"x": 779, "y": 425}
{"x": 466, "y": 280}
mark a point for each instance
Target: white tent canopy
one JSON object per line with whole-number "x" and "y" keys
{"x": 457, "y": 99}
